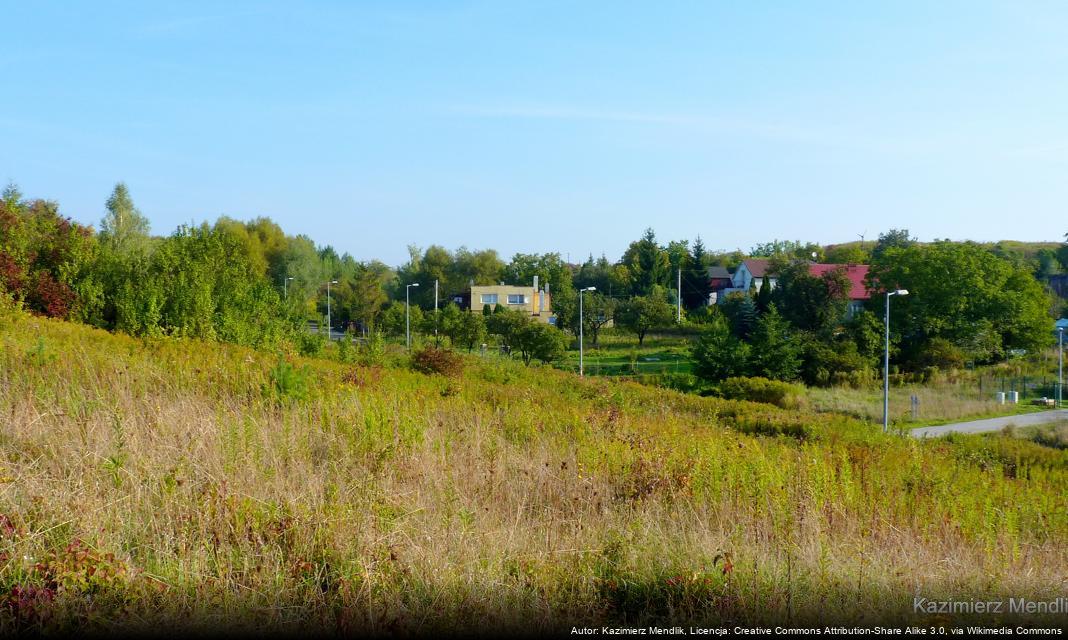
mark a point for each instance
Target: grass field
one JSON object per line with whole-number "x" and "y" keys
{"x": 938, "y": 404}
{"x": 203, "y": 486}
{"x": 618, "y": 354}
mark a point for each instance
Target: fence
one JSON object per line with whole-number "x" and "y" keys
{"x": 1029, "y": 387}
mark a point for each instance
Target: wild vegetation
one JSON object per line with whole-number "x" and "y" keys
{"x": 158, "y": 480}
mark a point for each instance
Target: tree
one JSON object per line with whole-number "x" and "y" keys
{"x": 741, "y": 312}
{"x": 470, "y": 331}
{"x": 598, "y": 310}
{"x": 892, "y": 239}
{"x": 647, "y": 265}
{"x": 812, "y": 303}
{"x": 719, "y": 354}
{"x": 550, "y": 268}
{"x": 695, "y": 281}
{"x": 963, "y": 293}
{"x": 642, "y": 313}
{"x": 774, "y": 352}
{"x": 763, "y": 296}
{"x": 788, "y": 250}
{"x": 537, "y": 341}
{"x": 48, "y": 262}
{"x": 852, "y": 253}
{"x": 123, "y": 228}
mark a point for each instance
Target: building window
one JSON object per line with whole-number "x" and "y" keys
{"x": 516, "y": 298}
{"x": 489, "y": 298}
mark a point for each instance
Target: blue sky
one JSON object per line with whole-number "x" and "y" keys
{"x": 548, "y": 126}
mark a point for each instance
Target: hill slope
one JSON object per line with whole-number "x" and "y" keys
{"x": 152, "y": 481}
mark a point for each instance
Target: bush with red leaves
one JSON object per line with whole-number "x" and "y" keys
{"x": 51, "y": 297}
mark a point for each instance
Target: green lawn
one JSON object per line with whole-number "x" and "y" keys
{"x": 618, "y": 353}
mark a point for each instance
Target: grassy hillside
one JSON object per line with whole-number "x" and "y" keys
{"x": 149, "y": 481}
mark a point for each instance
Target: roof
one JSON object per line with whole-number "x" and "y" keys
{"x": 718, "y": 272}
{"x": 856, "y": 273}
{"x": 757, "y": 266}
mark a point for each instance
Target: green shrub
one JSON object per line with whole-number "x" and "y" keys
{"x": 430, "y": 360}
{"x": 780, "y": 394}
{"x": 287, "y": 382}
{"x": 310, "y": 344}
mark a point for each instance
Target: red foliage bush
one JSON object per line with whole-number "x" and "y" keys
{"x": 433, "y": 360}
{"x": 51, "y": 297}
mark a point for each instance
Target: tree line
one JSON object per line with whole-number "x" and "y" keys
{"x": 251, "y": 283}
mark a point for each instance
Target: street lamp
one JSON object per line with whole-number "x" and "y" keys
{"x": 886, "y": 360}
{"x": 285, "y": 286}
{"x": 581, "y": 291}
{"x": 408, "y": 314}
{"x": 1060, "y": 365}
{"x": 328, "y": 325}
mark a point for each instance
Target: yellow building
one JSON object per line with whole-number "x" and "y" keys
{"x": 527, "y": 299}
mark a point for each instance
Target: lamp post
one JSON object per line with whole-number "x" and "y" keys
{"x": 581, "y": 291}
{"x": 285, "y": 286}
{"x": 407, "y": 314}
{"x": 886, "y": 360}
{"x": 328, "y": 325}
{"x": 1060, "y": 365}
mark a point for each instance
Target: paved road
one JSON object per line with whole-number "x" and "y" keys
{"x": 993, "y": 424}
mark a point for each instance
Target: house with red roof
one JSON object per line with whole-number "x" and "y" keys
{"x": 752, "y": 273}
{"x": 857, "y": 274}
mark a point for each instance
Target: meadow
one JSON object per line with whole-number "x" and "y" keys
{"x": 205, "y": 486}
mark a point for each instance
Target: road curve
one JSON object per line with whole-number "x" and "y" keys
{"x": 992, "y": 424}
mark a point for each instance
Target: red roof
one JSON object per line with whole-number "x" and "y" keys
{"x": 855, "y": 272}
{"x": 757, "y": 266}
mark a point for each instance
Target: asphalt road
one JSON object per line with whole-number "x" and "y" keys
{"x": 992, "y": 424}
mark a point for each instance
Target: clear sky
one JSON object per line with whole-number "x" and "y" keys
{"x": 547, "y": 126}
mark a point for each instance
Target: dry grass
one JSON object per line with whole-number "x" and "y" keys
{"x": 938, "y": 402}
{"x": 388, "y": 500}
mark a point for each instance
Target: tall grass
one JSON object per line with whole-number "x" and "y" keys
{"x": 149, "y": 481}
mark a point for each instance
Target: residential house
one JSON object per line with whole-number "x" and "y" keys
{"x": 719, "y": 279}
{"x": 858, "y": 290}
{"x": 748, "y": 276}
{"x": 751, "y": 274}
{"x": 528, "y": 299}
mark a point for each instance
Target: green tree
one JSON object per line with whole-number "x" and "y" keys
{"x": 812, "y": 303}
{"x": 641, "y": 314}
{"x": 892, "y": 239}
{"x": 774, "y": 351}
{"x": 741, "y": 312}
{"x": 963, "y": 293}
{"x": 123, "y": 228}
{"x": 719, "y": 354}
{"x": 851, "y": 253}
{"x": 647, "y": 265}
{"x": 537, "y": 341}
{"x": 763, "y": 296}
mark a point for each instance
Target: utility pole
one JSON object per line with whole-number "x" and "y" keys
{"x": 678, "y": 299}
{"x": 435, "y": 306}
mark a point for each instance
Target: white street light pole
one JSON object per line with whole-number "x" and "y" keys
{"x": 328, "y": 325}
{"x": 886, "y": 360}
{"x": 285, "y": 287}
{"x": 1060, "y": 366}
{"x": 407, "y": 314}
{"x": 581, "y": 291}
